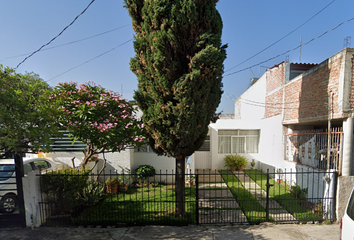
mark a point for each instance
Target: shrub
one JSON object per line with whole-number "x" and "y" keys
{"x": 145, "y": 171}
{"x": 64, "y": 188}
{"x": 92, "y": 194}
{"x": 297, "y": 192}
{"x": 236, "y": 161}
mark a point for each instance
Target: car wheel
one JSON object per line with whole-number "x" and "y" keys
{"x": 8, "y": 204}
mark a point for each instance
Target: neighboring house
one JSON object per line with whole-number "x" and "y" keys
{"x": 281, "y": 121}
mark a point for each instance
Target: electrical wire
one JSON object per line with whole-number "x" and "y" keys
{"x": 272, "y": 104}
{"x": 296, "y": 108}
{"x": 39, "y": 49}
{"x": 281, "y": 38}
{"x": 290, "y": 49}
{"x": 90, "y": 59}
{"x": 68, "y": 43}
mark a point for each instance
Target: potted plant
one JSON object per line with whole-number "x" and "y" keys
{"x": 123, "y": 181}
{"x": 236, "y": 162}
{"x": 112, "y": 185}
{"x": 190, "y": 180}
{"x": 280, "y": 175}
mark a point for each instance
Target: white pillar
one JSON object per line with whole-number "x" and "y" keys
{"x": 32, "y": 196}
{"x": 347, "y": 146}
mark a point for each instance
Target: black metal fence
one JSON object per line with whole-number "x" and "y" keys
{"x": 82, "y": 198}
{"x": 252, "y": 196}
{"x": 212, "y": 197}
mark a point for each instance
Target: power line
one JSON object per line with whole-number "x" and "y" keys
{"x": 274, "y": 107}
{"x": 90, "y": 59}
{"x": 68, "y": 43}
{"x": 56, "y": 35}
{"x": 233, "y": 97}
{"x": 291, "y": 49}
{"x": 281, "y": 38}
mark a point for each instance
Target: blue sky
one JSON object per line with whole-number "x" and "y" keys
{"x": 103, "y": 57}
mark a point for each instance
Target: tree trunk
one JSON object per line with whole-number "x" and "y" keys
{"x": 180, "y": 193}
{"x": 19, "y": 186}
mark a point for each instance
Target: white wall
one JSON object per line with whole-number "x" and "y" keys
{"x": 271, "y": 143}
{"x": 167, "y": 165}
{"x": 32, "y": 195}
{"x": 250, "y": 105}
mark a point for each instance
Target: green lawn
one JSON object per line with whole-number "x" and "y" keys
{"x": 283, "y": 197}
{"x": 139, "y": 206}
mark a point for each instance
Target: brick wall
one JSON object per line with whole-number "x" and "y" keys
{"x": 275, "y": 77}
{"x": 306, "y": 97}
{"x": 274, "y": 104}
{"x": 352, "y": 87}
{"x": 274, "y": 91}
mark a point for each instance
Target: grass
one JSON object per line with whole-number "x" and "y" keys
{"x": 252, "y": 209}
{"x": 140, "y": 206}
{"x": 283, "y": 197}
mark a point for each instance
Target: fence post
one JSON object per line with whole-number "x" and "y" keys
{"x": 196, "y": 198}
{"x": 267, "y": 202}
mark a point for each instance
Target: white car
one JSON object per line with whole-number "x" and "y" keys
{"x": 347, "y": 223}
{"x": 8, "y": 191}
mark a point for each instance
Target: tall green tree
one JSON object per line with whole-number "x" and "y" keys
{"x": 179, "y": 65}
{"x": 27, "y": 122}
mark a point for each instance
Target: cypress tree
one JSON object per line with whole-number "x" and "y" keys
{"x": 179, "y": 65}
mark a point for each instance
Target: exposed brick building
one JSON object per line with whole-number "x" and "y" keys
{"x": 291, "y": 98}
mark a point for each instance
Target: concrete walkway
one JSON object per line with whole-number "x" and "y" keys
{"x": 216, "y": 202}
{"x": 254, "y": 232}
{"x": 218, "y": 206}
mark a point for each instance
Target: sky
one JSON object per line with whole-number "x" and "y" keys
{"x": 99, "y": 44}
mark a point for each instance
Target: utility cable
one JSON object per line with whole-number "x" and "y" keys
{"x": 281, "y": 38}
{"x": 75, "y": 41}
{"x": 232, "y": 97}
{"x": 291, "y": 49}
{"x": 39, "y": 49}
{"x": 90, "y": 60}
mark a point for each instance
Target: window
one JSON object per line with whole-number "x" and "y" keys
{"x": 42, "y": 165}
{"x": 350, "y": 210}
{"x": 6, "y": 171}
{"x": 238, "y": 141}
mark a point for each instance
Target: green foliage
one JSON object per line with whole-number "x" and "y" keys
{"x": 99, "y": 118}
{"x": 237, "y": 161}
{"x": 27, "y": 121}
{"x": 179, "y": 65}
{"x": 297, "y": 192}
{"x": 111, "y": 181}
{"x": 92, "y": 194}
{"x": 65, "y": 188}
{"x": 253, "y": 163}
{"x": 145, "y": 171}
{"x": 140, "y": 206}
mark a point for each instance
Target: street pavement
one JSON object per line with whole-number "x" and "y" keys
{"x": 213, "y": 232}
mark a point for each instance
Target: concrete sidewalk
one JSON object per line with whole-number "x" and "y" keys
{"x": 254, "y": 232}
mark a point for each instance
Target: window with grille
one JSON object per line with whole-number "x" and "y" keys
{"x": 238, "y": 141}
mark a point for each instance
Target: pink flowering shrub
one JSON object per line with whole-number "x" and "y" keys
{"x": 99, "y": 118}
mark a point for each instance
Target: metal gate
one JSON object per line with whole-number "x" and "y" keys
{"x": 252, "y": 197}
{"x": 11, "y": 214}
